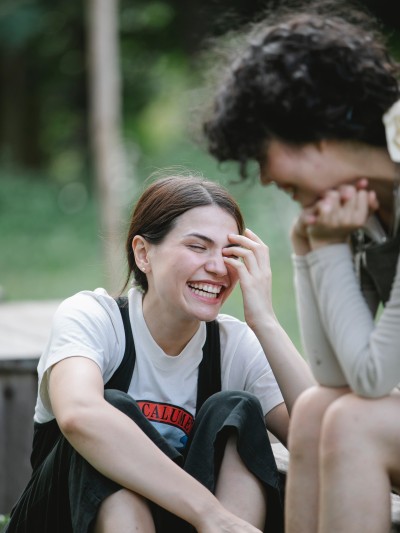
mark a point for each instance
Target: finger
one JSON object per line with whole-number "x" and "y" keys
{"x": 247, "y": 255}
{"x": 250, "y": 241}
{"x": 362, "y": 209}
{"x": 373, "y": 201}
{"x": 327, "y": 208}
{"x": 361, "y": 183}
{"x": 346, "y": 192}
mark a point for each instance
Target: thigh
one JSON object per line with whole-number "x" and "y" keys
{"x": 307, "y": 417}
{"x": 374, "y": 423}
{"x": 240, "y": 412}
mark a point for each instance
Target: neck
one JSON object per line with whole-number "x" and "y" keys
{"x": 364, "y": 160}
{"x": 170, "y": 333}
{"x": 381, "y": 172}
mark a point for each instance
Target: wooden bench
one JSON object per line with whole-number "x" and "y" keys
{"x": 24, "y": 328}
{"x": 282, "y": 460}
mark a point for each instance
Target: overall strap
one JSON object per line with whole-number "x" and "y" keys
{"x": 47, "y": 434}
{"x": 209, "y": 379}
{"x": 121, "y": 378}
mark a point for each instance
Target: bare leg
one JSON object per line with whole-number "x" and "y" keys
{"x": 124, "y": 511}
{"x": 302, "y": 485}
{"x": 359, "y": 462}
{"x": 239, "y": 490}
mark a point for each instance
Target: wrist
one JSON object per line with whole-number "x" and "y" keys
{"x": 300, "y": 245}
{"x": 263, "y": 323}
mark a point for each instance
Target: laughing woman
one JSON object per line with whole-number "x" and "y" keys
{"x": 152, "y": 409}
{"x": 315, "y": 100}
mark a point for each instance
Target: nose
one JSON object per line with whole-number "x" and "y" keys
{"x": 264, "y": 175}
{"x": 216, "y": 265}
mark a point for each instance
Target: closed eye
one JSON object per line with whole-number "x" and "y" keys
{"x": 196, "y": 247}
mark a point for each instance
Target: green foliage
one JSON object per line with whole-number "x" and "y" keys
{"x": 49, "y": 239}
{"x": 3, "y": 521}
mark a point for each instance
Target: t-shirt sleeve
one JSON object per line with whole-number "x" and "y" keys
{"x": 85, "y": 325}
{"x": 244, "y": 364}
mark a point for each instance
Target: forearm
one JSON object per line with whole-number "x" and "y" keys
{"x": 318, "y": 349}
{"x": 368, "y": 353}
{"x": 292, "y": 373}
{"x": 115, "y": 446}
{"x": 126, "y": 455}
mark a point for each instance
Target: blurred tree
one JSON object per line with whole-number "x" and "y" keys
{"x": 43, "y": 95}
{"x": 105, "y": 123}
{"x": 42, "y": 89}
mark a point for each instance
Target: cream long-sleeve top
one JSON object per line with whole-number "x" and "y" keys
{"x": 343, "y": 342}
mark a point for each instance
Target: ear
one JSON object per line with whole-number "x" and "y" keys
{"x": 140, "y": 249}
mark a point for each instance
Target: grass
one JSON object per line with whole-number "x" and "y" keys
{"x": 46, "y": 252}
{"x": 51, "y": 243}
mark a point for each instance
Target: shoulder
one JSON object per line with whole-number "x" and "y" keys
{"x": 235, "y": 333}
{"x": 88, "y": 319}
{"x": 92, "y": 306}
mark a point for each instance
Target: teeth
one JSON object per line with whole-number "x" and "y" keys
{"x": 203, "y": 289}
{"x": 203, "y": 293}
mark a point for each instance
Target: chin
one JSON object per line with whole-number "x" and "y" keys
{"x": 208, "y": 316}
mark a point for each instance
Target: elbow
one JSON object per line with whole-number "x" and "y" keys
{"x": 74, "y": 420}
{"x": 369, "y": 382}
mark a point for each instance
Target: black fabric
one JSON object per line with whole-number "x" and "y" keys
{"x": 46, "y": 435}
{"x": 122, "y": 377}
{"x": 377, "y": 263}
{"x": 65, "y": 491}
{"x": 209, "y": 379}
{"x": 241, "y": 412}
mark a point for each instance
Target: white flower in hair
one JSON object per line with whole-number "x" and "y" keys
{"x": 391, "y": 120}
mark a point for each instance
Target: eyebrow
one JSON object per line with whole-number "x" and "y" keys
{"x": 200, "y": 236}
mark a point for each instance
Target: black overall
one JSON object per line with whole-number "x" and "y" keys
{"x": 65, "y": 491}
{"x": 376, "y": 264}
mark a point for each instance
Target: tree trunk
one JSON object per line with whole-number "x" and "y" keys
{"x": 105, "y": 130}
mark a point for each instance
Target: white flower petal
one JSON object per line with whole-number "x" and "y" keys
{"x": 391, "y": 120}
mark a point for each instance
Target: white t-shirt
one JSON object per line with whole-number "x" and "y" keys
{"x": 89, "y": 324}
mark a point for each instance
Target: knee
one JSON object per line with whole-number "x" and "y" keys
{"x": 123, "y": 510}
{"x": 231, "y": 399}
{"x": 307, "y": 416}
{"x": 344, "y": 426}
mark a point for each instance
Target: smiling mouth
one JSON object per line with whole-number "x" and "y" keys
{"x": 206, "y": 290}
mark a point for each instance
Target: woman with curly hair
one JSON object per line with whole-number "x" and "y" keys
{"x": 314, "y": 99}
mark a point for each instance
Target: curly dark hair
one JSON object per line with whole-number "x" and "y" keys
{"x": 304, "y": 79}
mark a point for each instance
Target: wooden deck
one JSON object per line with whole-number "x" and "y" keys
{"x": 24, "y": 328}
